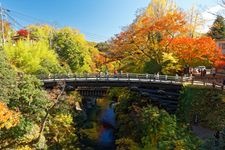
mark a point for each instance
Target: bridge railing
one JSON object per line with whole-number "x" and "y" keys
{"x": 131, "y": 77}
{"x": 122, "y": 76}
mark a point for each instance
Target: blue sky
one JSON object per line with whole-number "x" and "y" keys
{"x": 97, "y": 19}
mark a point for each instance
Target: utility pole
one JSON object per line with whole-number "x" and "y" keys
{"x": 2, "y": 24}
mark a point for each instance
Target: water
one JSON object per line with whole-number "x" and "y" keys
{"x": 108, "y": 122}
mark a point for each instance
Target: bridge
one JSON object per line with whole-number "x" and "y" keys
{"x": 163, "y": 90}
{"x": 119, "y": 80}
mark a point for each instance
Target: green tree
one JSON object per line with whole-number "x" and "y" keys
{"x": 140, "y": 124}
{"x": 73, "y": 49}
{"x": 21, "y": 94}
{"x": 102, "y": 46}
{"x": 211, "y": 102}
{"x": 22, "y": 123}
{"x": 32, "y": 103}
{"x": 32, "y": 57}
{"x": 30, "y": 99}
{"x": 8, "y": 79}
{"x": 164, "y": 132}
{"x": 46, "y": 120}
{"x": 217, "y": 31}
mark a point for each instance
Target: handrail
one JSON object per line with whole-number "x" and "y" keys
{"x": 123, "y": 76}
{"x": 206, "y": 81}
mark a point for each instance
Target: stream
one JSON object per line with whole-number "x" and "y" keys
{"x": 108, "y": 123}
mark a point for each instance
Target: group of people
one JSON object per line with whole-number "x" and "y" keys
{"x": 106, "y": 73}
{"x": 202, "y": 72}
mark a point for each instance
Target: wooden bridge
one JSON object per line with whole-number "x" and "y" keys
{"x": 163, "y": 90}
{"x": 118, "y": 80}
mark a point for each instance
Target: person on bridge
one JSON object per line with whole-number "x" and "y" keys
{"x": 157, "y": 76}
{"x": 204, "y": 72}
{"x": 213, "y": 71}
{"x": 115, "y": 73}
{"x": 121, "y": 72}
{"x": 176, "y": 77}
{"x": 107, "y": 74}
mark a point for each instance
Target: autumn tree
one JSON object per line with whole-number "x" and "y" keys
{"x": 8, "y": 118}
{"x": 23, "y": 33}
{"x": 139, "y": 42}
{"x": 217, "y": 31}
{"x": 194, "y": 51}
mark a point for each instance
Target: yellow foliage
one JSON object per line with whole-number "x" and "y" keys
{"x": 64, "y": 119}
{"x": 32, "y": 134}
{"x": 24, "y": 148}
{"x": 31, "y": 57}
{"x": 158, "y": 8}
{"x": 61, "y": 128}
{"x": 8, "y": 118}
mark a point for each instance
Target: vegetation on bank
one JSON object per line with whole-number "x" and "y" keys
{"x": 143, "y": 126}
{"x": 207, "y": 104}
{"x": 204, "y": 107}
{"x": 33, "y": 118}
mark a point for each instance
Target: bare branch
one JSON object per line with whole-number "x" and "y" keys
{"x": 63, "y": 85}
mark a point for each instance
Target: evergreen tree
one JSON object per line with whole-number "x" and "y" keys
{"x": 217, "y": 31}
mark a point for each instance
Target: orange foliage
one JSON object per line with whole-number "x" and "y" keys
{"x": 194, "y": 51}
{"x": 123, "y": 44}
{"x": 99, "y": 59}
{"x": 141, "y": 38}
{"x": 219, "y": 64}
{"x": 8, "y": 118}
{"x": 170, "y": 25}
